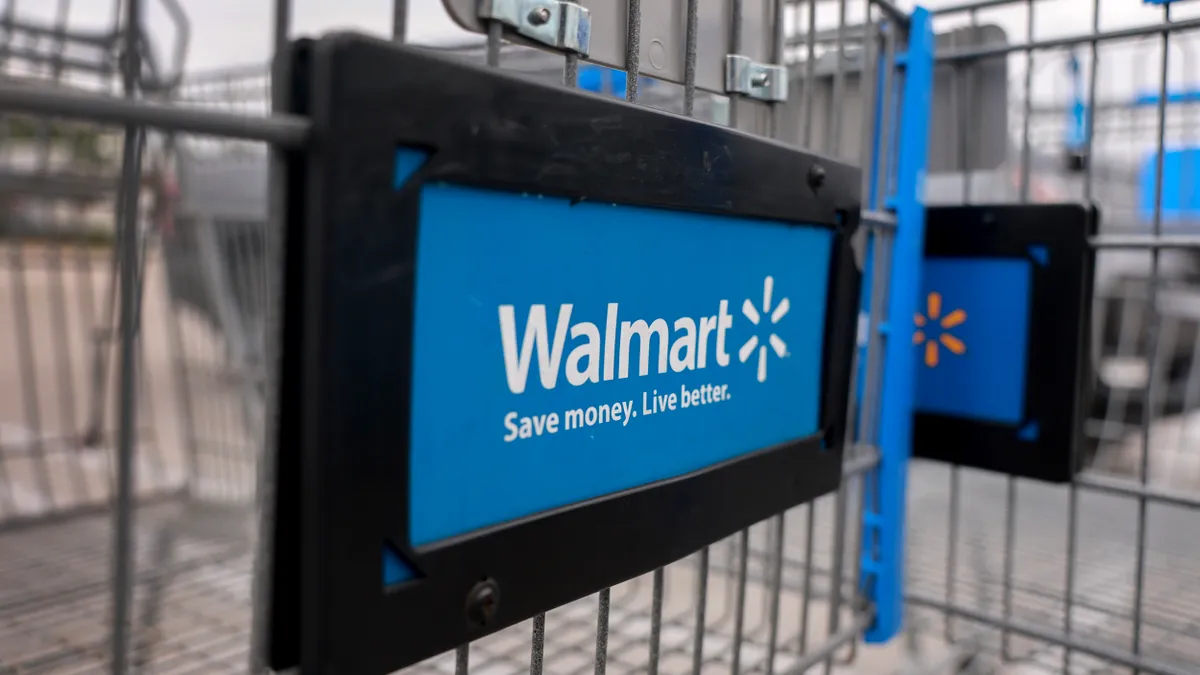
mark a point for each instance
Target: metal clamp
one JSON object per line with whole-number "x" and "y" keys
{"x": 560, "y": 24}
{"x": 760, "y": 81}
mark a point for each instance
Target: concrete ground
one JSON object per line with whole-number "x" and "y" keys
{"x": 192, "y": 607}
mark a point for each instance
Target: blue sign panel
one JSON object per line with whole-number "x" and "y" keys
{"x": 971, "y": 338}
{"x": 1000, "y": 337}
{"x": 536, "y": 342}
{"x": 1179, "y": 200}
{"x": 582, "y": 366}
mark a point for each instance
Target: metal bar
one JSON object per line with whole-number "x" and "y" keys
{"x": 839, "y": 82}
{"x": 66, "y": 389}
{"x": 633, "y": 49}
{"x": 1010, "y": 510}
{"x": 26, "y": 346}
{"x": 462, "y": 660}
{"x": 887, "y": 92}
{"x": 1018, "y": 627}
{"x": 571, "y": 70}
{"x": 1089, "y": 136}
{"x": 832, "y": 644}
{"x": 867, "y": 460}
{"x": 810, "y": 529}
{"x": 399, "y": 20}
{"x": 99, "y": 39}
{"x": 1146, "y": 242}
{"x": 656, "y": 607}
{"x": 68, "y": 63}
{"x": 838, "y": 572}
{"x": 806, "y": 96}
{"x": 689, "y": 56}
{"x": 739, "y": 611}
{"x": 893, "y": 12}
{"x": 537, "y": 645}
{"x": 1150, "y": 398}
{"x": 602, "y": 607}
{"x": 126, "y": 482}
{"x": 281, "y": 25}
{"x": 775, "y": 588}
{"x": 701, "y": 607}
{"x": 887, "y": 220}
{"x": 973, "y": 6}
{"x": 735, "y": 47}
{"x": 955, "y": 509}
{"x": 1065, "y": 42}
{"x": 283, "y": 130}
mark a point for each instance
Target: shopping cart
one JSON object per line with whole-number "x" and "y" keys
{"x": 133, "y": 550}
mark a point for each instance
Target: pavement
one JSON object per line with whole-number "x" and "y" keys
{"x": 192, "y": 593}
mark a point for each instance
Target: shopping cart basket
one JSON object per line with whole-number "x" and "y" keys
{"x": 1089, "y": 576}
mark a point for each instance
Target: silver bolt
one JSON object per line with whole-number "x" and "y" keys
{"x": 539, "y": 16}
{"x": 760, "y": 80}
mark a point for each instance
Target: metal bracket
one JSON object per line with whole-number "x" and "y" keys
{"x": 559, "y": 24}
{"x": 760, "y": 81}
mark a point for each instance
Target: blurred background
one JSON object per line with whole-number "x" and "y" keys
{"x": 1062, "y": 120}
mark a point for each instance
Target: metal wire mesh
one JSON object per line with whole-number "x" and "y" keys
{"x": 1096, "y": 576}
{"x": 157, "y": 576}
{"x": 127, "y": 531}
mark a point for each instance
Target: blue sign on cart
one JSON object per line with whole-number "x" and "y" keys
{"x": 536, "y": 342}
{"x": 1001, "y": 337}
{"x": 971, "y": 337}
{"x": 562, "y": 366}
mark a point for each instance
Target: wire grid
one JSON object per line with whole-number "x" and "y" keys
{"x": 162, "y": 580}
{"x": 1101, "y": 575}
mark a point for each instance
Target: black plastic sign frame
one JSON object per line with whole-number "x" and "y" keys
{"x": 346, "y": 394}
{"x": 1041, "y": 278}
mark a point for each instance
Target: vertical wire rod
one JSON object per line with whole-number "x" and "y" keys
{"x": 1073, "y": 488}
{"x": 537, "y": 645}
{"x": 633, "y": 49}
{"x": 739, "y": 611}
{"x": 735, "y": 47}
{"x": 281, "y": 23}
{"x": 1152, "y": 343}
{"x": 810, "y": 63}
{"x": 656, "y": 609}
{"x": 701, "y": 607}
{"x": 806, "y": 585}
{"x": 1010, "y": 511}
{"x": 399, "y": 20}
{"x": 123, "y": 544}
{"x": 776, "y": 589}
{"x": 462, "y": 660}
{"x": 689, "y": 58}
{"x": 495, "y": 30}
{"x": 602, "y": 608}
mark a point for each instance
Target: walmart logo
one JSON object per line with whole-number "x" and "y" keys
{"x": 777, "y": 343}
{"x": 616, "y": 348}
{"x": 938, "y": 327}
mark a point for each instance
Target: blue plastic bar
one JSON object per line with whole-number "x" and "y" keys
{"x": 1076, "y": 131}
{"x": 883, "y": 556}
{"x": 1179, "y": 96}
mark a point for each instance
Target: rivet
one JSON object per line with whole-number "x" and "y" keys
{"x": 816, "y": 176}
{"x": 483, "y": 602}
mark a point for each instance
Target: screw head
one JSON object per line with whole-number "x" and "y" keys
{"x": 816, "y": 176}
{"x": 539, "y": 16}
{"x": 483, "y": 602}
